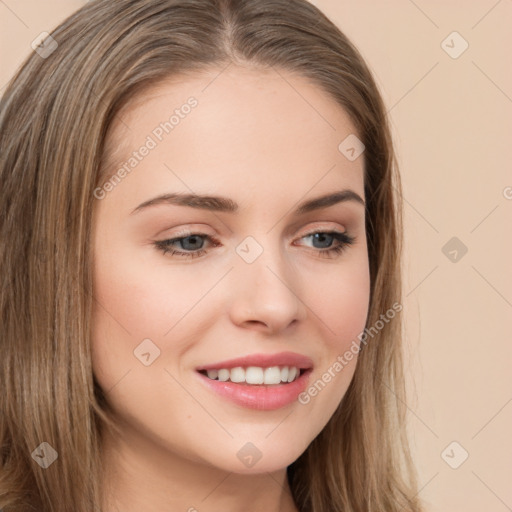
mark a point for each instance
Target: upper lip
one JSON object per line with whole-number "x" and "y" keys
{"x": 263, "y": 360}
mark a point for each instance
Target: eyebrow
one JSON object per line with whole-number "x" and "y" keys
{"x": 224, "y": 204}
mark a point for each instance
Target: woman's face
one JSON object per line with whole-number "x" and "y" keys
{"x": 254, "y": 281}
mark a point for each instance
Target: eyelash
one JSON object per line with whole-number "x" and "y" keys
{"x": 344, "y": 240}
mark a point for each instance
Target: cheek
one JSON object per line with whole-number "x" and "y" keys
{"x": 144, "y": 300}
{"x": 131, "y": 304}
{"x": 341, "y": 301}
{"x": 136, "y": 299}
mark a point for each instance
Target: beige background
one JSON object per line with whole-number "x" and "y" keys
{"x": 452, "y": 121}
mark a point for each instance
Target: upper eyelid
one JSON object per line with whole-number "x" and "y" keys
{"x": 185, "y": 232}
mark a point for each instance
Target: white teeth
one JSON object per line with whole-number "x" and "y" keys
{"x": 223, "y": 375}
{"x": 256, "y": 375}
{"x": 292, "y": 373}
{"x": 213, "y": 374}
{"x": 272, "y": 375}
{"x": 237, "y": 374}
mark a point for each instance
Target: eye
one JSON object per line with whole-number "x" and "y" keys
{"x": 189, "y": 242}
{"x": 342, "y": 240}
{"x": 192, "y": 244}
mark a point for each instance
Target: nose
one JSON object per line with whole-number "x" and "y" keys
{"x": 267, "y": 294}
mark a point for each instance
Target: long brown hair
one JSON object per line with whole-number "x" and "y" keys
{"x": 54, "y": 118}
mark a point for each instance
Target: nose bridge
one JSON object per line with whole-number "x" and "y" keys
{"x": 262, "y": 258}
{"x": 266, "y": 287}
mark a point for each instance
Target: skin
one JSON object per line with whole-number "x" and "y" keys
{"x": 255, "y": 139}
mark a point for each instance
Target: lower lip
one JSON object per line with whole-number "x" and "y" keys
{"x": 261, "y": 397}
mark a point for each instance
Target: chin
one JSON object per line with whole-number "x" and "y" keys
{"x": 257, "y": 457}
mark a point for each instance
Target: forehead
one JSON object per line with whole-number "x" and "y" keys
{"x": 248, "y": 127}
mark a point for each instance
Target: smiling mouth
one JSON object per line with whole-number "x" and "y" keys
{"x": 255, "y": 375}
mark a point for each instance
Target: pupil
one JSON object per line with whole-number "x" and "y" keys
{"x": 322, "y": 235}
{"x": 193, "y": 237}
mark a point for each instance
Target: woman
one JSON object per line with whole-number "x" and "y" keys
{"x": 258, "y": 370}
